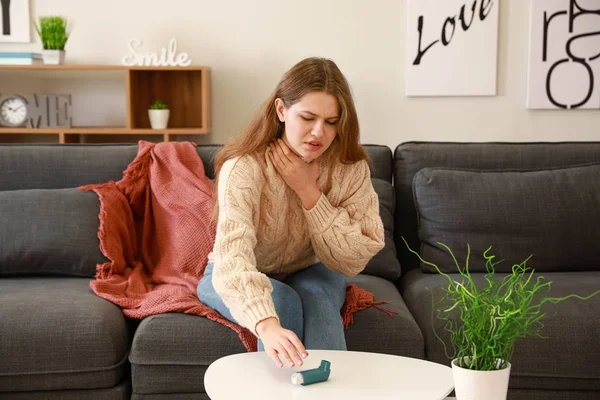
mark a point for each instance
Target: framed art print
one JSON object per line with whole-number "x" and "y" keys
{"x": 451, "y": 47}
{"x": 15, "y": 24}
{"x": 564, "y": 55}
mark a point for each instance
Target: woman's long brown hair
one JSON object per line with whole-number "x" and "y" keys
{"x": 309, "y": 75}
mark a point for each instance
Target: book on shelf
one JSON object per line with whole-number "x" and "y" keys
{"x": 10, "y": 58}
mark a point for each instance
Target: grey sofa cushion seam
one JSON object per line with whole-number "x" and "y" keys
{"x": 562, "y": 376}
{"x": 73, "y": 371}
{"x": 169, "y": 363}
{"x": 486, "y": 170}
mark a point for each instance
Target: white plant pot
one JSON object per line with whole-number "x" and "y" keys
{"x": 159, "y": 118}
{"x": 53, "y": 57}
{"x": 478, "y": 385}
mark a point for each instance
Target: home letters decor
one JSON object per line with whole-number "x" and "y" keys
{"x": 49, "y": 110}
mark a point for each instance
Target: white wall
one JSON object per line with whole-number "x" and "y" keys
{"x": 250, "y": 43}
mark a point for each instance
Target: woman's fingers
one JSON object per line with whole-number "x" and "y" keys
{"x": 276, "y": 161}
{"x": 283, "y": 353}
{"x": 283, "y": 346}
{"x": 273, "y": 354}
{"x": 292, "y": 352}
{"x": 298, "y": 345}
{"x": 284, "y": 151}
{"x": 278, "y": 157}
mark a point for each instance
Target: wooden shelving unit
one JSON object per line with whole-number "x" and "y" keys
{"x": 187, "y": 90}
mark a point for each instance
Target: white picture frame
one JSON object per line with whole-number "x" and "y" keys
{"x": 564, "y": 61}
{"x": 451, "y": 47}
{"x": 15, "y": 25}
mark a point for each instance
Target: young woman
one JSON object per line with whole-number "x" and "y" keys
{"x": 296, "y": 214}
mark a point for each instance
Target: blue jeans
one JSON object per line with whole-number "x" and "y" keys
{"x": 308, "y": 303}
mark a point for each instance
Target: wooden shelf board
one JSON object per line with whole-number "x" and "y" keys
{"x": 172, "y": 131}
{"x": 85, "y": 67}
{"x": 102, "y": 131}
{"x": 65, "y": 67}
{"x": 188, "y": 68}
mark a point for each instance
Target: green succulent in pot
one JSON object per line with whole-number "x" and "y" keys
{"x": 158, "y": 104}
{"x": 159, "y": 114}
{"x": 53, "y": 32}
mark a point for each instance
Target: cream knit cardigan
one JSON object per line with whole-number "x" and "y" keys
{"x": 264, "y": 231}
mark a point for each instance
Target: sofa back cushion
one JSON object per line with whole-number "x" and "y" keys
{"x": 385, "y": 264}
{"x": 49, "y": 232}
{"x": 550, "y": 214}
{"x": 49, "y": 166}
{"x": 411, "y": 157}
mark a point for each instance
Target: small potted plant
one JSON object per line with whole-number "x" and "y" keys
{"x": 484, "y": 323}
{"x": 54, "y": 33}
{"x": 159, "y": 114}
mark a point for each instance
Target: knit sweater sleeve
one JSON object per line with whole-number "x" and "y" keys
{"x": 346, "y": 237}
{"x": 243, "y": 289}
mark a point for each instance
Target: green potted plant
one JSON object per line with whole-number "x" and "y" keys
{"x": 54, "y": 33}
{"x": 484, "y": 323}
{"x": 158, "y": 114}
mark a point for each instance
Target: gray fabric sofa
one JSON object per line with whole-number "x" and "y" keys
{"x": 524, "y": 198}
{"x": 58, "y": 340}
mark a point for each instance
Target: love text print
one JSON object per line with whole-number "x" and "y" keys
{"x": 481, "y": 8}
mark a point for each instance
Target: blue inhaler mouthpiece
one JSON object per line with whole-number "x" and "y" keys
{"x": 311, "y": 376}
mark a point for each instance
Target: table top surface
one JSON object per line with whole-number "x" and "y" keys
{"x": 354, "y": 375}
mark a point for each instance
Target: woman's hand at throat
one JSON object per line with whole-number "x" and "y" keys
{"x": 300, "y": 176}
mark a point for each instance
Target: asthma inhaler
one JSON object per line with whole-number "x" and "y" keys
{"x": 311, "y": 376}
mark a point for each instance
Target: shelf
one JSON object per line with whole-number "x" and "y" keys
{"x": 180, "y": 89}
{"x": 84, "y": 67}
{"x": 73, "y": 135}
{"x": 65, "y": 67}
{"x": 103, "y": 131}
{"x": 187, "y": 91}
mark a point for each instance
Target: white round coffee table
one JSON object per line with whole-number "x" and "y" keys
{"x": 354, "y": 375}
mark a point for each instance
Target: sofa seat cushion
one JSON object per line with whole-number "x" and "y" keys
{"x": 120, "y": 392}
{"x": 565, "y": 359}
{"x": 171, "y": 352}
{"x": 377, "y": 332}
{"x": 56, "y": 334}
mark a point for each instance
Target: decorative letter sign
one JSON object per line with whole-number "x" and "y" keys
{"x": 564, "y": 54}
{"x": 167, "y": 57}
{"x": 49, "y": 110}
